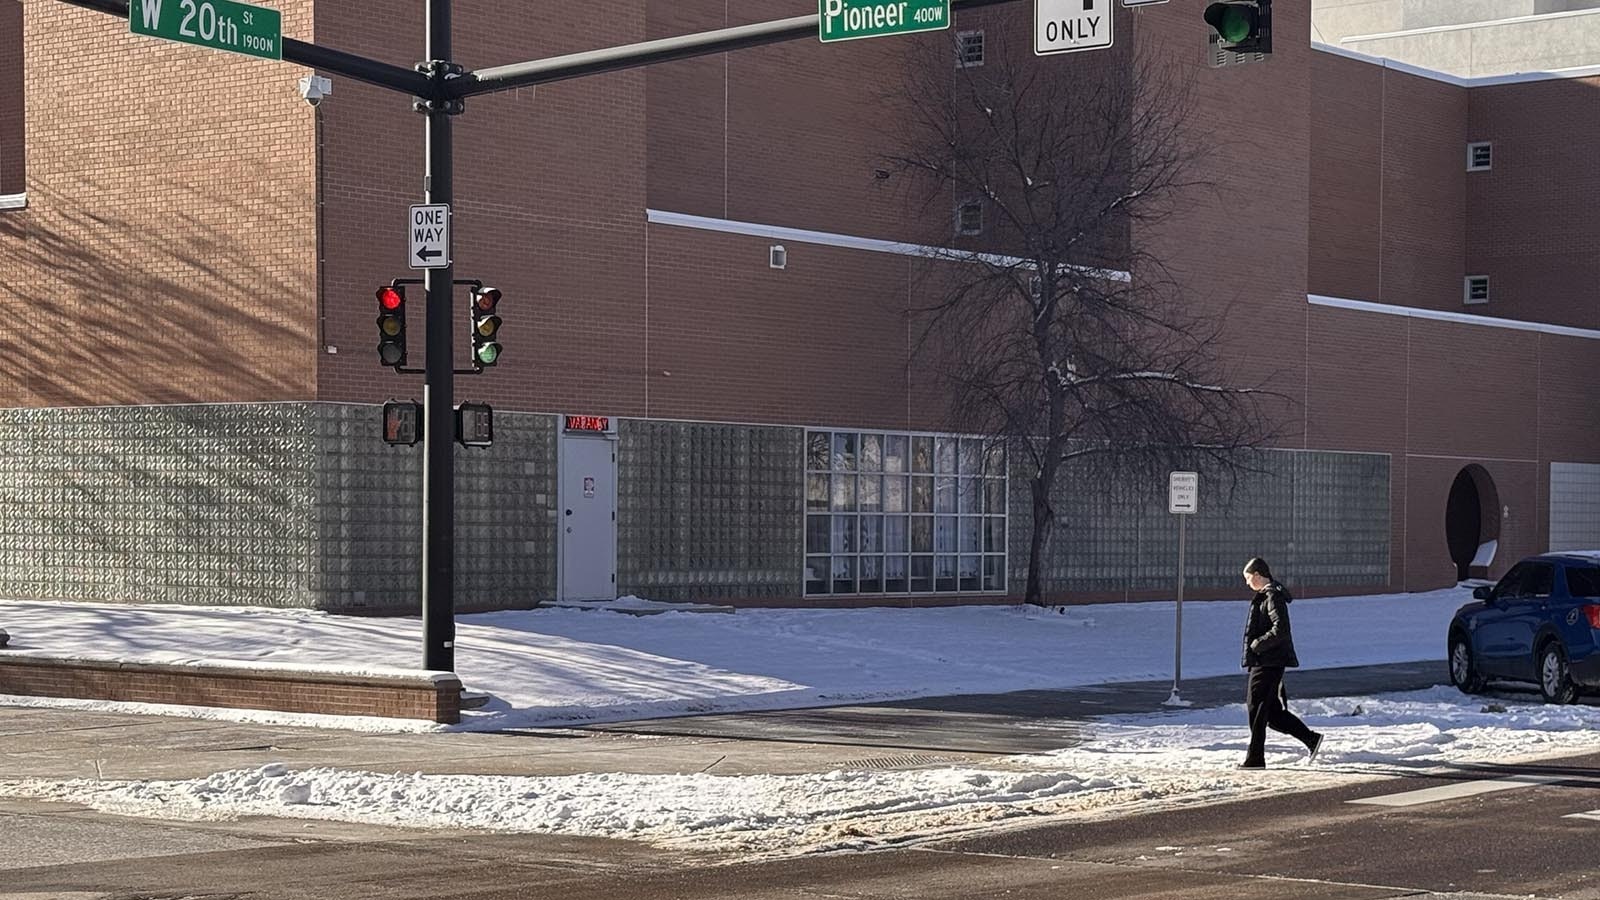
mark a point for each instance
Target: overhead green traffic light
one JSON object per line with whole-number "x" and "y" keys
{"x": 1243, "y": 26}
{"x": 485, "y": 326}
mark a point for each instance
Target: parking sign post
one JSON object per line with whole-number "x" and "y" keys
{"x": 1183, "y": 499}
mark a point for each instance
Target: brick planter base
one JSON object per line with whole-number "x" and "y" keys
{"x": 399, "y": 694}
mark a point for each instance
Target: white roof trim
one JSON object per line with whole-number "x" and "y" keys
{"x": 848, "y": 241}
{"x": 13, "y": 201}
{"x": 1461, "y": 318}
{"x": 1465, "y": 26}
{"x": 1457, "y": 80}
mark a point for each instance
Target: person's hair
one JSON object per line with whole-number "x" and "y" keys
{"x": 1258, "y": 566}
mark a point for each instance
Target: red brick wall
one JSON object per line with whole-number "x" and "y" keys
{"x": 13, "y": 156}
{"x": 1347, "y": 131}
{"x": 1534, "y": 227}
{"x": 424, "y": 696}
{"x": 167, "y": 253}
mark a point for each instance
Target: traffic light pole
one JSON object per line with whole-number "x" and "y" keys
{"x": 438, "y": 382}
{"x": 440, "y": 87}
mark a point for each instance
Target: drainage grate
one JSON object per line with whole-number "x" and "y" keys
{"x": 907, "y": 761}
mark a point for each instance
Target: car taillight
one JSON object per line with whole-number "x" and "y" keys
{"x": 1593, "y": 612}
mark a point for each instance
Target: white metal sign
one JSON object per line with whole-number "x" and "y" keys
{"x": 429, "y": 227}
{"x": 1183, "y": 492}
{"x": 1067, "y": 26}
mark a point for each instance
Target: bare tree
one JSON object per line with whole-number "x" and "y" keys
{"x": 1057, "y": 330}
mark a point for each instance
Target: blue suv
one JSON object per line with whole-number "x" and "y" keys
{"x": 1540, "y": 624}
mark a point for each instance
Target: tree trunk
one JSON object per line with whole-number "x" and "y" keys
{"x": 1043, "y": 520}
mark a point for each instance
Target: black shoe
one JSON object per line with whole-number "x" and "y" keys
{"x": 1315, "y": 747}
{"x": 1248, "y": 764}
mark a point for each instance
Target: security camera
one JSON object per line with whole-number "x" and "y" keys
{"x": 315, "y": 87}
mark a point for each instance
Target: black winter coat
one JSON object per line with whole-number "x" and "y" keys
{"x": 1267, "y": 638}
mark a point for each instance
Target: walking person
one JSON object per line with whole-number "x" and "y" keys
{"x": 1268, "y": 650}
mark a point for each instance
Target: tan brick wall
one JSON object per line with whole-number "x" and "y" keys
{"x": 168, "y": 250}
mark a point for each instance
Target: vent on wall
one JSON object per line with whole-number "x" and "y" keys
{"x": 969, "y": 218}
{"x": 1480, "y": 156}
{"x": 777, "y": 257}
{"x": 969, "y": 49}
{"x": 1475, "y": 290}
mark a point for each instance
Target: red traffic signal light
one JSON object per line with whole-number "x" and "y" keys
{"x": 485, "y": 326}
{"x": 392, "y": 325}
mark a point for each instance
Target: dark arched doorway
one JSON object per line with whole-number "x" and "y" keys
{"x": 1472, "y": 522}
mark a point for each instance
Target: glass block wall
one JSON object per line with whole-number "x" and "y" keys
{"x": 900, "y": 513}
{"x": 272, "y": 504}
{"x": 1319, "y": 517}
{"x": 707, "y": 511}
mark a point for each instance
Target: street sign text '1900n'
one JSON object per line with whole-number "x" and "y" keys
{"x": 220, "y": 24}
{"x": 846, "y": 20}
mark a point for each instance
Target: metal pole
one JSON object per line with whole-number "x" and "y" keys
{"x": 438, "y": 392}
{"x": 1177, "y": 653}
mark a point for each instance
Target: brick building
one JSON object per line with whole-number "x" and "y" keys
{"x": 188, "y": 254}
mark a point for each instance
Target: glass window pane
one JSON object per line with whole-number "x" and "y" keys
{"x": 870, "y": 493}
{"x": 872, "y": 534}
{"x": 872, "y": 453}
{"x": 971, "y": 453}
{"x": 844, "y": 574}
{"x": 971, "y": 530}
{"x": 970, "y": 573}
{"x": 817, "y": 450}
{"x": 894, "y": 493}
{"x": 894, "y": 453}
{"x": 921, "y": 574}
{"x": 994, "y": 459}
{"x": 817, "y": 492}
{"x": 944, "y": 534}
{"x": 994, "y": 537}
{"x": 994, "y": 573}
{"x": 895, "y": 574}
{"x": 896, "y": 534}
{"x": 844, "y": 493}
{"x": 817, "y": 575}
{"x": 844, "y": 534}
{"x": 922, "y": 454}
{"x": 944, "y": 495}
{"x": 944, "y": 572}
{"x": 871, "y": 575}
{"x": 996, "y": 501}
{"x": 921, "y": 534}
{"x": 844, "y": 451}
{"x": 970, "y": 491}
{"x": 921, "y": 493}
{"x": 817, "y": 534}
{"x": 944, "y": 454}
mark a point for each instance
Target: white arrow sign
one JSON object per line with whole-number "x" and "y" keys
{"x": 1067, "y": 26}
{"x": 429, "y": 227}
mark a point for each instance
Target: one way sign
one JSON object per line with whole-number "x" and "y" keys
{"x": 430, "y": 236}
{"x": 1067, "y": 26}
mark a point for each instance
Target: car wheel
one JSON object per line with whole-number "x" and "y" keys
{"x": 1463, "y": 668}
{"x": 1555, "y": 680}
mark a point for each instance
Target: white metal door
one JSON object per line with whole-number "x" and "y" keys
{"x": 588, "y": 526}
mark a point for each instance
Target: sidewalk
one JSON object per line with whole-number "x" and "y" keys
{"x": 60, "y": 744}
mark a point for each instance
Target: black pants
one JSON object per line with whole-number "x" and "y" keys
{"x": 1264, "y": 697}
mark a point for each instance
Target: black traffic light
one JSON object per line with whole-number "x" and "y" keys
{"x": 1244, "y": 26}
{"x": 485, "y": 326}
{"x": 392, "y": 325}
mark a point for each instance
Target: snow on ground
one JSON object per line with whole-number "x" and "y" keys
{"x": 566, "y": 666}
{"x": 1131, "y": 763}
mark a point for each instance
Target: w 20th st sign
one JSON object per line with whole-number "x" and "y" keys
{"x": 219, "y": 24}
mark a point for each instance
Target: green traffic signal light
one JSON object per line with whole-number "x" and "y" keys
{"x": 485, "y": 326}
{"x": 1233, "y": 23}
{"x": 487, "y": 354}
{"x": 1244, "y": 26}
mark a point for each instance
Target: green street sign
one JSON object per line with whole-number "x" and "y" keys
{"x": 220, "y": 24}
{"x": 846, "y": 20}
